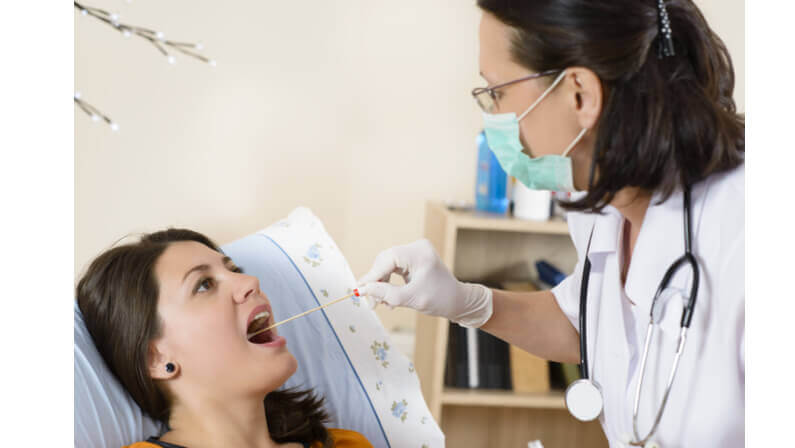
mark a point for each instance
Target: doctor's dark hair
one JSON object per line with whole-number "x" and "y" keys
{"x": 665, "y": 122}
{"x": 118, "y": 298}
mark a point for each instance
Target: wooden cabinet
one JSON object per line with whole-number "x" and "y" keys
{"x": 479, "y": 247}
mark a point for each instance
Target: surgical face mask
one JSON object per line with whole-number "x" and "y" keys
{"x": 552, "y": 172}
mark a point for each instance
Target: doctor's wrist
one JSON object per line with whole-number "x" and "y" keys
{"x": 477, "y": 306}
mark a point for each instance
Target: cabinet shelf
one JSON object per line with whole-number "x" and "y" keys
{"x": 474, "y": 220}
{"x": 505, "y": 399}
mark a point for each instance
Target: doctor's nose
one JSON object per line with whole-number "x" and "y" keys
{"x": 246, "y": 286}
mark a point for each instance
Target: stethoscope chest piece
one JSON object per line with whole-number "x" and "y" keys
{"x": 584, "y": 400}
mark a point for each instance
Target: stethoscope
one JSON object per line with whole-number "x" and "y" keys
{"x": 584, "y": 398}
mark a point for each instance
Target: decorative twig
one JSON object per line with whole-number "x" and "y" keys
{"x": 156, "y": 38}
{"x": 94, "y": 113}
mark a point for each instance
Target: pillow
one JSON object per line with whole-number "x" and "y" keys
{"x": 343, "y": 351}
{"x": 105, "y": 414}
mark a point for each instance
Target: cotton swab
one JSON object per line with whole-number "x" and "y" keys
{"x": 355, "y": 293}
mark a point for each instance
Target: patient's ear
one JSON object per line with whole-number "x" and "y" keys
{"x": 161, "y": 366}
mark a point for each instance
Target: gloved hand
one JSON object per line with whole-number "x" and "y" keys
{"x": 430, "y": 287}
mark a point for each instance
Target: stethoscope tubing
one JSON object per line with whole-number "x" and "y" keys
{"x": 687, "y": 315}
{"x": 583, "y": 309}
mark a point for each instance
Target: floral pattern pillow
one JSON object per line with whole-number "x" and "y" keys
{"x": 386, "y": 375}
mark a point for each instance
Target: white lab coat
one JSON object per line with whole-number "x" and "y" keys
{"x": 706, "y": 407}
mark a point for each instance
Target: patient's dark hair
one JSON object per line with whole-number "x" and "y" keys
{"x": 665, "y": 122}
{"x": 118, "y": 299}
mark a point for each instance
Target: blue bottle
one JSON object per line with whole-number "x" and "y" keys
{"x": 490, "y": 189}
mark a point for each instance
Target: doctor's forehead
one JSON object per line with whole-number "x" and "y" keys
{"x": 495, "y": 49}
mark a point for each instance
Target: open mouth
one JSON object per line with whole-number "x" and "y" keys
{"x": 255, "y": 335}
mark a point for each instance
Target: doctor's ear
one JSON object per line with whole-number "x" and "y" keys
{"x": 161, "y": 367}
{"x": 585, "y": 89}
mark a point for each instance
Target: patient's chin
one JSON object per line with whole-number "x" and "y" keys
{"x": 290, "y": 367}
{"x": 276, "y": 372}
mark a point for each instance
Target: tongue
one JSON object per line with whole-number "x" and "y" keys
{"x": 261, "y": 338}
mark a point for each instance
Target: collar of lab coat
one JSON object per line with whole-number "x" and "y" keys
{"x": 606, "y": 232}
{"x": 660, "y": 242}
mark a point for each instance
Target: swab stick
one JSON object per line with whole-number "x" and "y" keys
{"x": 355, "y": 293}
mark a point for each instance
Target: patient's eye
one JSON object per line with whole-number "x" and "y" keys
{"x": 237, "y": 269}
{"x": 205, "y": 284}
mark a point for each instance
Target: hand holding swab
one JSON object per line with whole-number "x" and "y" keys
{"x": 355, "y": 293}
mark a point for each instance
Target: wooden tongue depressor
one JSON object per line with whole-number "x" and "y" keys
{"x": 355, "y": 293}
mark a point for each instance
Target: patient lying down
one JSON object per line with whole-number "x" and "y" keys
{"x": 170, "y": 315}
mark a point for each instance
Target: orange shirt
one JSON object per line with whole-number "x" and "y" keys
{"x": 342, "y": 438}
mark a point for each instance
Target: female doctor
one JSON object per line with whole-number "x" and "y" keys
{"x": 629, "y": 102}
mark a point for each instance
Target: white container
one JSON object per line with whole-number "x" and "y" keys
{"x": 530, "y": 204}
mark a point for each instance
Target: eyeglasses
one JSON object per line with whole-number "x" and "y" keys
{"x": 486, "y": 97}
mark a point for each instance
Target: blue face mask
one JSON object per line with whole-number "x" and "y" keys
{"x": 552, "y": 172}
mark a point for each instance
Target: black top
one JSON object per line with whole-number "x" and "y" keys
{"x": 159, "y": 442}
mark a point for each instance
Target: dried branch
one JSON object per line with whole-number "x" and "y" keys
{"x": 156, "y": 38}
{"x": 94, "y": 113}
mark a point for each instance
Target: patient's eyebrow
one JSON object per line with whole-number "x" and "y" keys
{"x": 201, "y": 267}
{"x": 204, "y": 267}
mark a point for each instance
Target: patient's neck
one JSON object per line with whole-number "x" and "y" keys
{"x": 205, "y": 422}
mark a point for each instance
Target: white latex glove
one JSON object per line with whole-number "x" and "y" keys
{"x": 430, "y": 288}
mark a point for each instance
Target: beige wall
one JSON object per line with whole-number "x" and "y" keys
{"x": 358, "y": 109}
{"x": 727, "y": 19}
